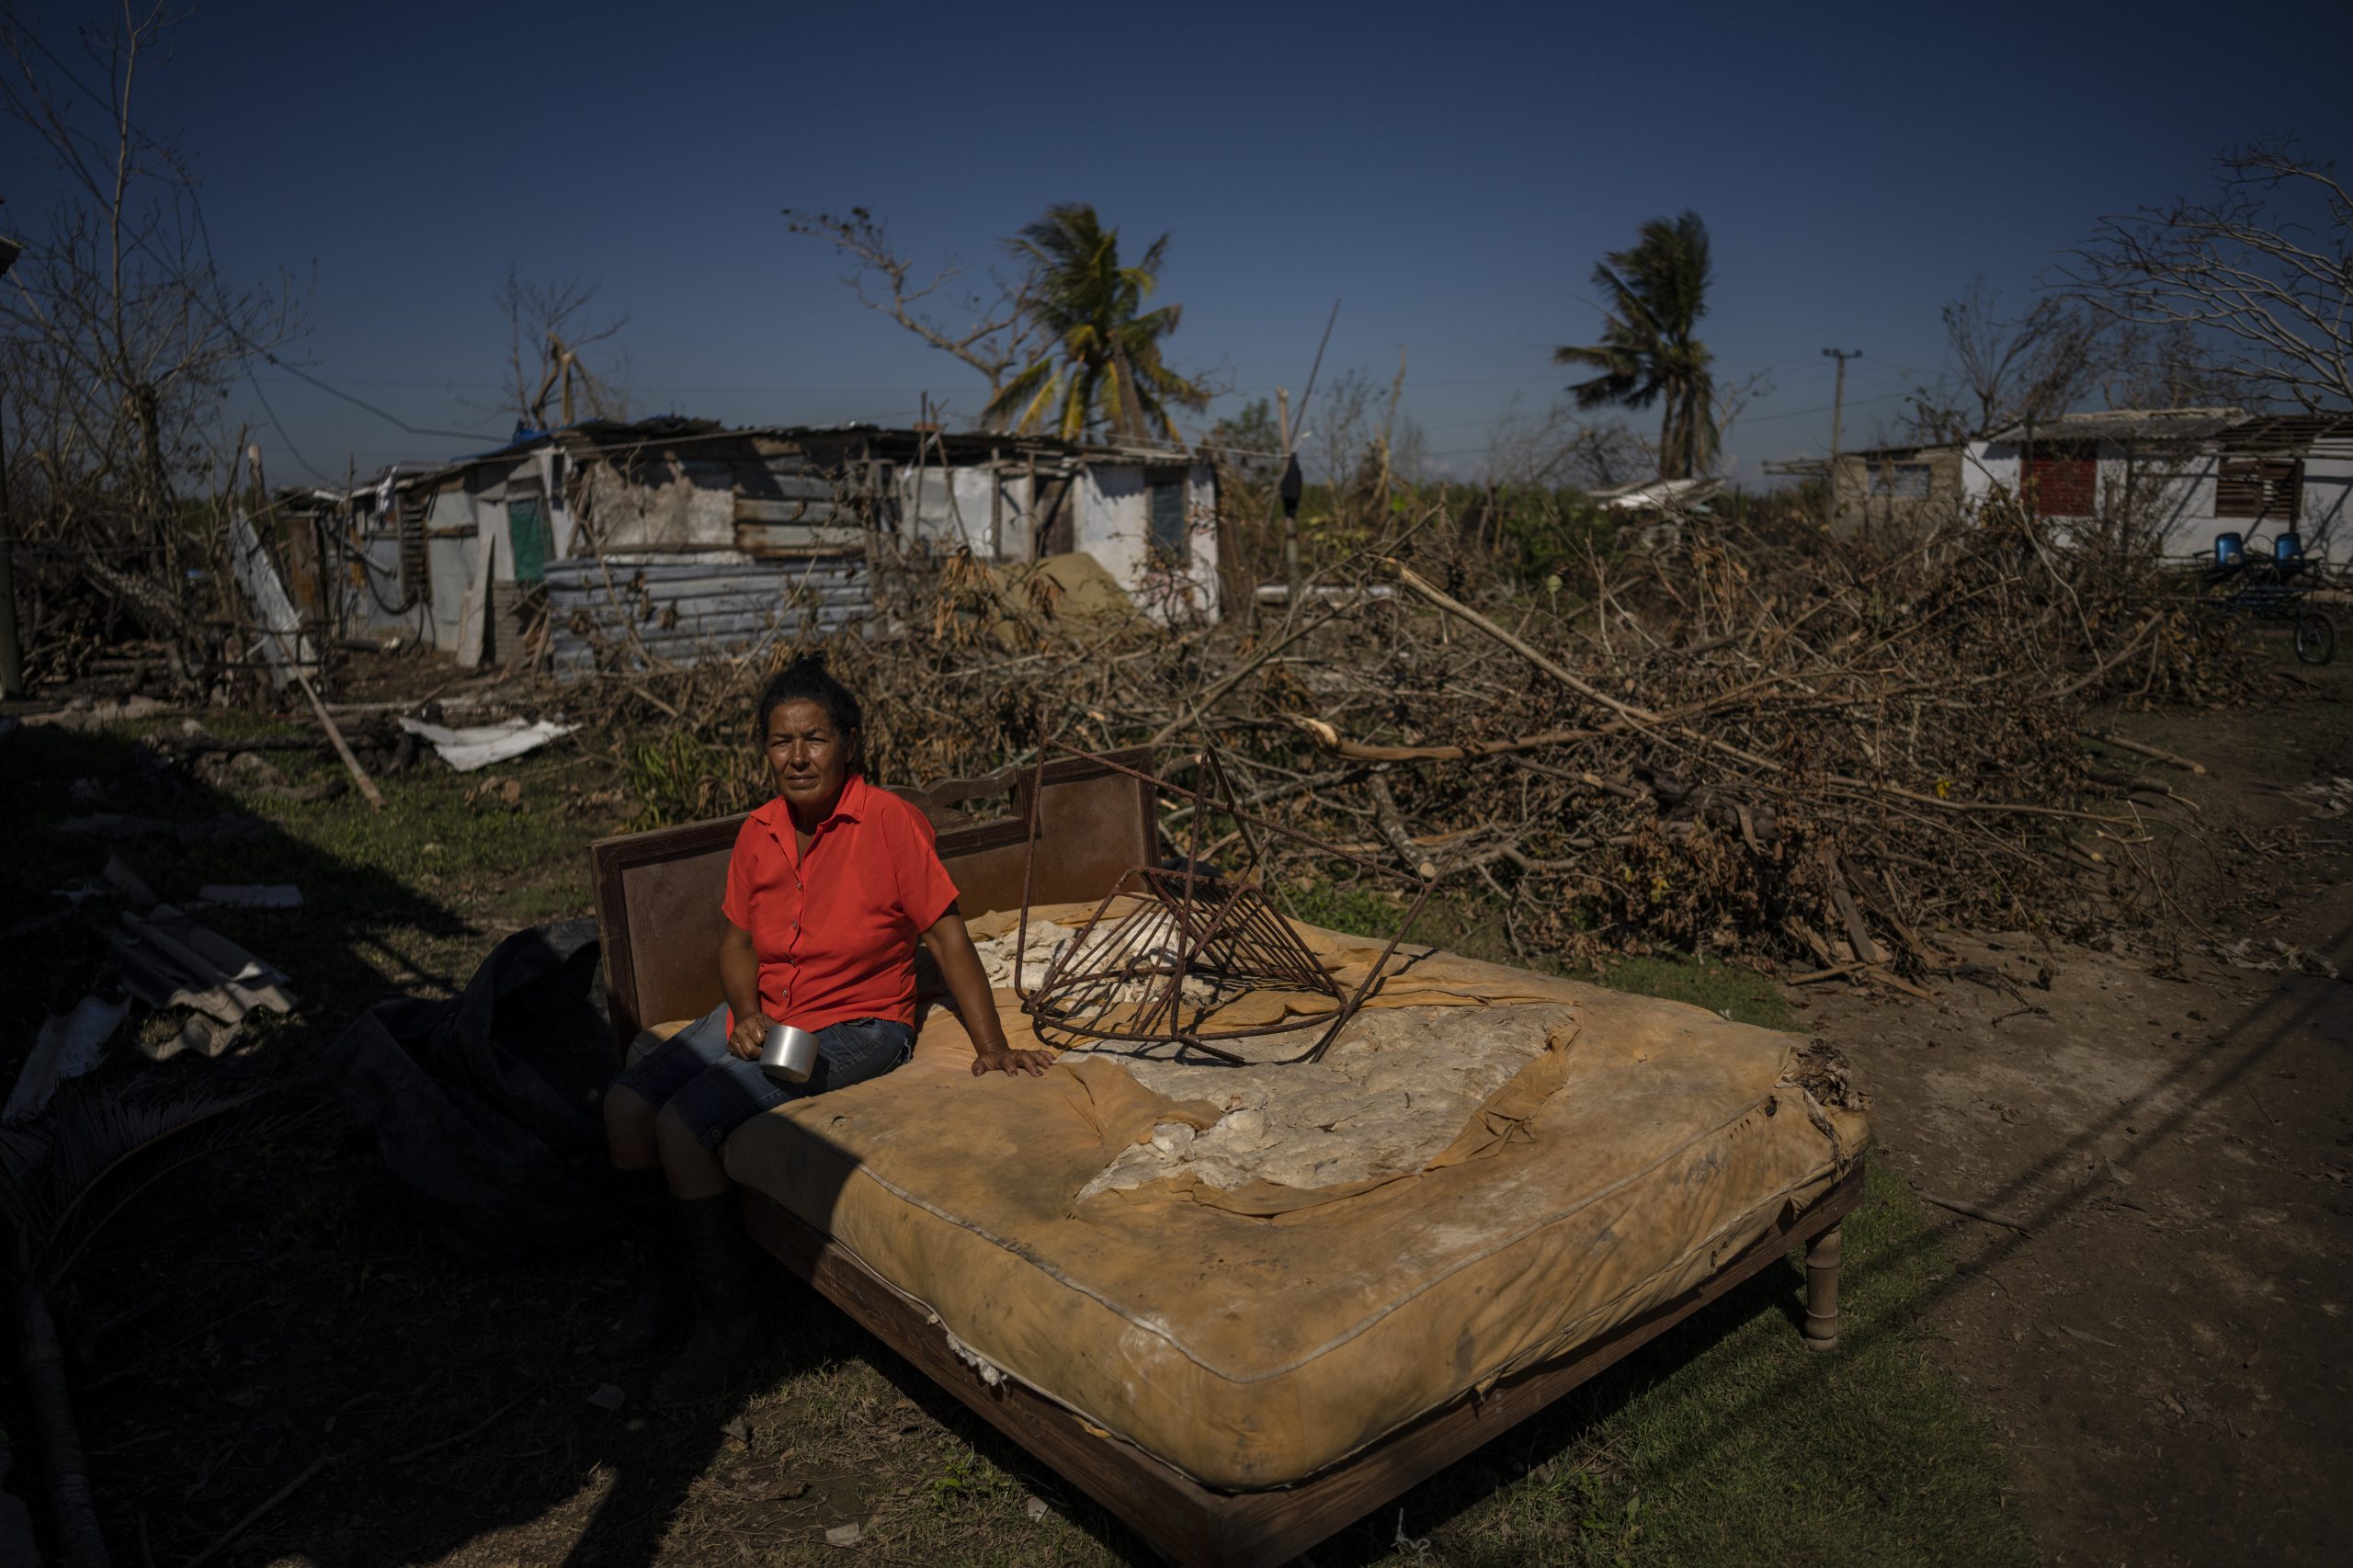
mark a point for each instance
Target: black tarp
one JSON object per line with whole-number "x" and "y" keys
{"x": 488, "y": 1107}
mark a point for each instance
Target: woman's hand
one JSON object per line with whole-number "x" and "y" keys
{"x": 751, "y": 1031}
{"x": 960, "y": 966}
{"x": 1004, "y": 1059}
{"x": 739, "y": 982}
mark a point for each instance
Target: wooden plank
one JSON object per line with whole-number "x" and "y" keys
{"x": 781, "y": 542}
{"x": 790, "y": 508}
{"x": 728, "y": 628}
{"x": 1180, "y": 1518}
{"x": 768, "y": 600}
{"x": 592, "y": 574}
{"x": 767, "y": 590}
{"x": 1273, "y": 1527}
{"x": 285, "y": 650}
{"x": 1197, "y": 1526}
{"x": 757, "y": 575}
{"x": 473, "y": 611}
{"x": 701, "y": 597}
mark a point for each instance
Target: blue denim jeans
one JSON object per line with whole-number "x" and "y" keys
{"x": 714, "y": 1091}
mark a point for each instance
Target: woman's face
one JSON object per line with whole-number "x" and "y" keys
{"x": 810, "y": 757}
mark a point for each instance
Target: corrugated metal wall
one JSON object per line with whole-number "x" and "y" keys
{"x": 686, "y": 607}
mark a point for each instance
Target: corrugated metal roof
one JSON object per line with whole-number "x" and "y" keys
{"x": 2125, "y": 425}
{"x": 2287, "y": 432}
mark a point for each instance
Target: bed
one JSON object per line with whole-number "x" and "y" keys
{"x": 1240, "y": 1358}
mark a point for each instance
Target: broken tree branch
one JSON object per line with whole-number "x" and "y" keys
{"x": 342, "y": 747}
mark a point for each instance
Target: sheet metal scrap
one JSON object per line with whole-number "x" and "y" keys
{"x": 1193, "y": 940}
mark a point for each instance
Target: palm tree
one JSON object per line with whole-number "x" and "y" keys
{"x": 1656, "y": 293}
{"x": 1101, "y": 364}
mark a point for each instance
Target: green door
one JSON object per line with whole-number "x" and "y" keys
{"x": 526, "y": 532}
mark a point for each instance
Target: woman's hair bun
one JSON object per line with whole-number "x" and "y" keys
{"x": 806, "y": 679}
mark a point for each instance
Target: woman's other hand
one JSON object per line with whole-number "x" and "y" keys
{"x": 751, "y": 1031}
{"x": 960, "y": 966}
{"x": 1005, "y": 1060}
{"x": 739, "y": 982}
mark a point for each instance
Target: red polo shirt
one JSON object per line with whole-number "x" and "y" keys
{"x": 835, "y": 931}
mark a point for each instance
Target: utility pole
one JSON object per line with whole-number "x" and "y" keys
{"x": 1288, "y": 493}
{"x": 1837, "y": 408}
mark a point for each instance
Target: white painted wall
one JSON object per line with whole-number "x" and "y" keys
{"x": 674, "y": 514}
{"x": 1113, "y": 524}
{"x": 1111, "y": 521}
{"x": 949, "y": 509}
{"x": 2185, "y": 497}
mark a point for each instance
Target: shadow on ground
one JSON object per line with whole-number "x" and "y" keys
{"x": 269, "y": 1335}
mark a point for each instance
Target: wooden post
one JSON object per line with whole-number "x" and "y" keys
{"x": 1029, "y": 523}
{"x": 368, "y": 789}
{"x": 474, "y": 610}
{"x": 1290, "y": 524}
{"x": 1821, "y": 1292}
{"x": 996, "y": 505}
{"x": 1837, "y": 408}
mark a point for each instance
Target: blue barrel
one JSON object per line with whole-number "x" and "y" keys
{"x": 2286, "y": 548}
{"x": 2229, "y": 548}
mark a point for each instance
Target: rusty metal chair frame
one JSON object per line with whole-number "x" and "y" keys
{"x": 1226, "y": 932}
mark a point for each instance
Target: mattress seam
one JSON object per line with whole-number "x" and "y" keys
{"x": 1359, "y": 1329}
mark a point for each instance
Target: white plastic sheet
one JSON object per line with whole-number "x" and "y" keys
{"x": 481, "y": 745}
{"x": 70, "y": 1045}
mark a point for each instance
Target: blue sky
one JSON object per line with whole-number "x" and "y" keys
{"x": 1451, "y": 172}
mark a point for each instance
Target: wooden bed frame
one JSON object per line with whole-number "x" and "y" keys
{"x": 657, "y": 905}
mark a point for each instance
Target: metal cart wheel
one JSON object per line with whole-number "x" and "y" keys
{"x": 2315, "y": 637}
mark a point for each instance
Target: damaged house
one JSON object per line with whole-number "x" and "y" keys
{"x": 677, "y": 539}
{"x": 2188, "y": 476}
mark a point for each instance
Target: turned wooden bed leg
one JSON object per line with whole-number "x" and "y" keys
{"x": 1821, "y": 1292}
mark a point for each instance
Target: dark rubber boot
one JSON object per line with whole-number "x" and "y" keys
{"x": 727, "y": 1332}
{"x": 643, "y": 1199}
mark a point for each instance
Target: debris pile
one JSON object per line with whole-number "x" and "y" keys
{"x": 1805, "y": 753}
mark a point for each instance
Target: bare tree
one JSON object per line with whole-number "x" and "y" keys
{"x": 2006, "y": 370}
{"x": 1729, "y": 399}
{"x": 995, "y": 331}
{"x": 1557, "y": 448}
{"x": 2263, "y": 270}
{"x": 121, "y": 335}
{"x": 546, "y": 333}
{"x": 2162, "y": 367}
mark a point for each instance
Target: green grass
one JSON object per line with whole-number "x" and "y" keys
{"x": 1465, "y": 925}
{"x": 1724, "y": 1442}
{"x": 405, "y": 900}
{"x": 1727, "y": 1441}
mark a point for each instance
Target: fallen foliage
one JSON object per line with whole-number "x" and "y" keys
{"x": 1805, "y": 753}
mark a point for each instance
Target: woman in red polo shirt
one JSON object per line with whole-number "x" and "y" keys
{"x": 832, "y": 885}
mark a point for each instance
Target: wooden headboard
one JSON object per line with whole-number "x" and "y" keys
{"x": 658, "y": 893}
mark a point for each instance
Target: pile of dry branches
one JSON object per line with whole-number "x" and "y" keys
{"x": 1800, "y": 753}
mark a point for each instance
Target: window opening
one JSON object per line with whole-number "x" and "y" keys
{"x": 2263, "y": 490}
{"x": 1171, "y": 541}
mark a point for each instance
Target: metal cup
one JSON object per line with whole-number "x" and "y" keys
{"x": 789, "y": 1054}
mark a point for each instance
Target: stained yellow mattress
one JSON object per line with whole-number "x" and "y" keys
{"x": 1252, "y": 1334}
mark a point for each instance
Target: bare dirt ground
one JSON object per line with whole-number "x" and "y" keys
{"x": 2161, "y": 1340}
